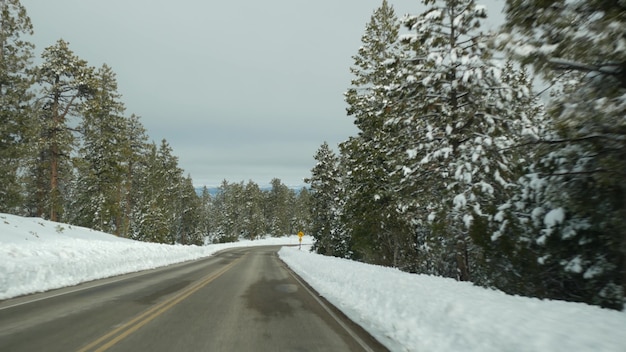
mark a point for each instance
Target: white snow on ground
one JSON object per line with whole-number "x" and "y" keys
{"x": 406, "y": 312}
{"x": 411, "y": 312}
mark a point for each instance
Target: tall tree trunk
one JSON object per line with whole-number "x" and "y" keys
{"x": 54, "y": 155}
{"x": 40, "y": 184}
{"x": 462, "y": 259}
{"x": 54, "y": 180}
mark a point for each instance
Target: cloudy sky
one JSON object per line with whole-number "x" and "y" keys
{"x": 241, "y": 89}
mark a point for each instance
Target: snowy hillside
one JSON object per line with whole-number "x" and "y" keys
{"x": 406, "y": 312}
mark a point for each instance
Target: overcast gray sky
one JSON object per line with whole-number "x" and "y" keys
{"x": 241, "y": 89}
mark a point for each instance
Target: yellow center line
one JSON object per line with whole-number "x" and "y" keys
{"x": 123, "y": 331}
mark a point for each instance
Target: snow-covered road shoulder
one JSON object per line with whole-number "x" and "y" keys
{"x": 411, "y": 312}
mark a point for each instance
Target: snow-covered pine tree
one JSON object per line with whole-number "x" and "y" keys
{"x": 190, "y": 214}
{"x": 302, "y": 212}
{"x": 149, "y": 222}
{"x": 219, "y": 228}
{"x": 217, "y": 214}
{"x": 291, "y": 215}
{"x": 228, "y": 212}
{"x": 575, "y": 196}
{"x": 102, "y": 169}
{"x": 503, "y": 237}
{"x": 456, "y": 165}
{"x": 171, "y": 176}
{"x": 371, "y": 207}
{"x": 158, "y": 208}
{"x": 65, "y": 82}
{"x": 136, "y": 134}
{"x": 206, "y": 220}
{"x": 278, "y": 214}
{"x": 373, "y": 69}
{"x": 253, "y": 220}
{"x": 326, "y": 205}
{"x": 16, "y": 127}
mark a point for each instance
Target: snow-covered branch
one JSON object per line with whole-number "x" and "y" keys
{"x": 571, "y": 173}
{"x": 566, "y": 140}
{"x": 564, "y": 64}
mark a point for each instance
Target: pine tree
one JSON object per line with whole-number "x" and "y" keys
{"x": 99, "y": 202}
{"x": 158, "y": 207}
{"x": 190, "y": 231}
{"x": 575, "y": 195}
{"x": 458, "y": 112}
{"x": 373, "y": 69}
{"x": 252, "y": 213}
{"x": 302, "y": 212}
{"x": 206, "y": 214}
{"x": 15, "y": 100}
{"x": 219, "y": 217}
{"x": 290, "y": 214}
{"x": 228, "y": 212}
{"x": 370, "y": 212}
{"x": 137, "y": 149}
{"x": 326, "y": 205}
{"x": 65, "y": 82}
{"x": 149, "y": 220}
{"x": 503, "y": 237}
{"x": 171, "y": 177}
{"x": 278, "y": 213}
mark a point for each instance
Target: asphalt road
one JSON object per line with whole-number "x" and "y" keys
{"x": 242, "y": 299}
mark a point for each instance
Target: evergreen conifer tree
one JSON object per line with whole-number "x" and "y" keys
{"x": 371, "y": 210}
{"x": 228, "y": 211}
{"x": 190, "y": 229}
{"x": 158, "y": 208}
{"x": 302, "y": 216}
{"x": 66, "y": 81}
{"x": 575, "y": 195}
{"x": 132, "y": 157}
{"x": 326, "y": 205}
{"x": 455, "y": 164}
{"x": 15, "y": 101}
{"x": 278, "y": 212}
{"x": 206, "y": 220}
{"x": 103, "y": 168}
{"x": 252, "y": 212}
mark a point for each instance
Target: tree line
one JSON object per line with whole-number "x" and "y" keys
{"x": 241, "y": 210}
{"x": 70, "y": 153}
{"x": 460, "y": 170}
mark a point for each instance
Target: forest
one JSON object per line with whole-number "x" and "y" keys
{"x": 71, "y": 154}
{"x": 491, "y": 157}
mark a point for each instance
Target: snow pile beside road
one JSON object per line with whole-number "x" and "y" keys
{"x": 411, "y": 312}
{"x": 38, "y": 255}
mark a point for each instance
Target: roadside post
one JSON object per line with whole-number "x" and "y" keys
{"x": 300, "y": 235}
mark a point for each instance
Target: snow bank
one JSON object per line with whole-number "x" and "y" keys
{"x": 411, "y": 312}
{"x": 38, "y": 255}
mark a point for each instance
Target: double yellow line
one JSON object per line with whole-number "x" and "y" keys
{"x": 107, "y": 341}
